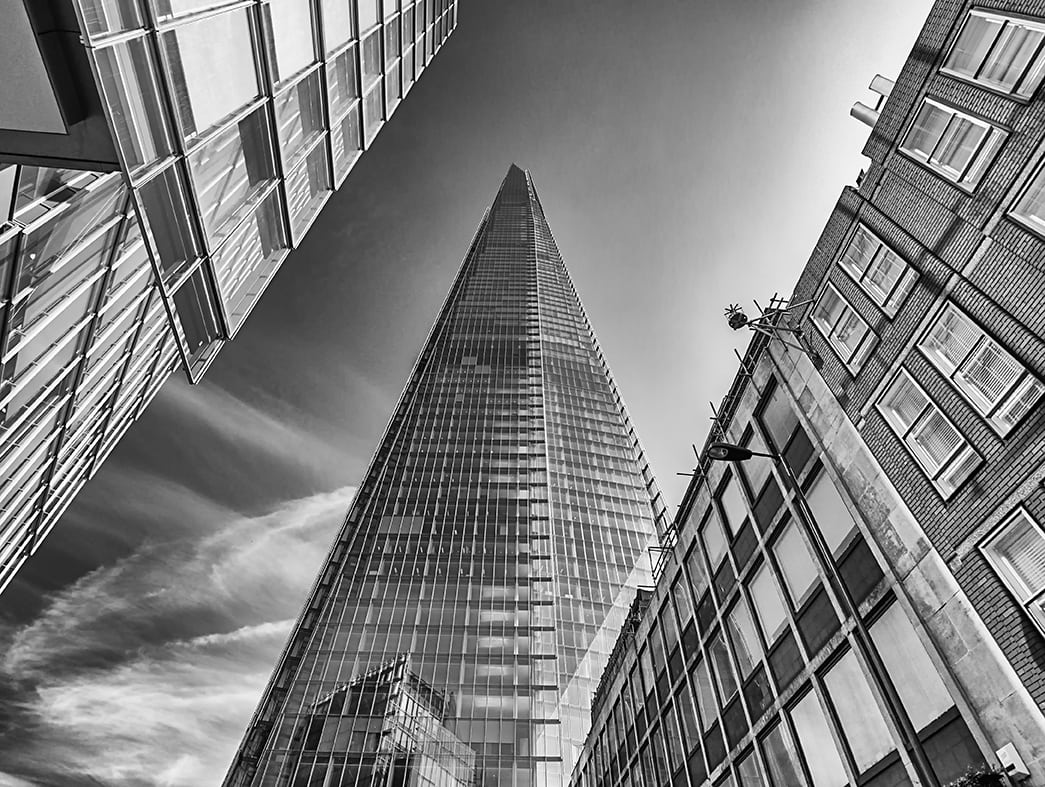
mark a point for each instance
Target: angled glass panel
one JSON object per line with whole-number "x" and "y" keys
{"x": 243, "y": 265}
{"x": 337, "y": 23}
{"x": 132, "y": 93}
{"x": 858, "y": 713}
{"x": 197, "y": 313}
{"x": 167, "y": 212}
{"x": 290, "y": 37}
{"x": 110, "y": 16}
{"x": 299, "y": 117}
{"x": 212, "y": 69}
{"x": 307, "y": 187}
{"x": 346, "y": 140}
{"x": 229, "y": 171}
{"x": 341, "y": 81}
{"x": 368, "y": 16}
{"x": 814, "y": 737}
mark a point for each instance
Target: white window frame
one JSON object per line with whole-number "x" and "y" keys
{"x": 1032, "y": 600}
{"x": 1029, "y": 79}
{"x": 890, "y": 304}
{"x": 969, "y": 177}
{"x": 852, "y": 359}
{"x": 942, "y": 476}
{"x": 1022, "y": 384}
{"x": 1018, "y": 211}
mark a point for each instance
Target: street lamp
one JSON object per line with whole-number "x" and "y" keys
{"x": 728, "y": 452}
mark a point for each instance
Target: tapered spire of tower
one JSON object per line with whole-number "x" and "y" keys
{"x": 467, "y": 608}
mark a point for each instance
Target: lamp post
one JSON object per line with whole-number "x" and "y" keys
{"x": 728, "y": 452}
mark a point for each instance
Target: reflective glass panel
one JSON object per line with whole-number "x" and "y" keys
{"x": 307, "y": 186}
{"x": 242, "y": 266}
{"x": 367, "y": 13}
{"x": 129, "y": 82}
{"x": 337, "y": 23}
{"x": 292, "y": 46}
{"x": 781, "y": 759}
{"x": 916, "y": 678}
{"x": 167, "y": 211}
{"x": 199, "y": 51}
{"x": 229, "y": 170}
{"x": 795, "y": 563}
{"x": 341, "y": 78}
{"x": 299, "y": 116}
{"x": 110, "y": 16}
{"x": 858, "y": 713}
{"x": 769, "y": 606}
{"x": 814, "y": 737}
{"x": 195, "y": 306}
{"x": 829, "y": 510}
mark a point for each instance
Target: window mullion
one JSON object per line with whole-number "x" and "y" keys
{"x": 988, "y": 133}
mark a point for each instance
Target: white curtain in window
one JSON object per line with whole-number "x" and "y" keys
{"x": 904, "y": 402}
{"x": 952, "y": 338}
{"x": 936, "y": 438}
{"x": 1020, "y": 548}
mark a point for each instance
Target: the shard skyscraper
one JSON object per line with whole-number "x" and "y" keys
{"x": 468, "y": 607}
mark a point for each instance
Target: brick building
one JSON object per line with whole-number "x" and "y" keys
{"x": 869, "y": 609}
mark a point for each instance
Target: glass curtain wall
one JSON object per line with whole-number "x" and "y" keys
{"x": 492, "y": 543}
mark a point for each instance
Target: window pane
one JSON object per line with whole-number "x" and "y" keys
{"x": 683, "y": 603}
{"x": 299, "y": 116}
{"x": 367, "y": 13}
{"x": 779, "y": 419}
{"x": 697, "y": 577}
{"x": 337, "y": 23}
{"x": 307, "y": 187}
{"x": 1019, "y": 549}
{"x": 194, "y": 303}
{"x": 733, "y": 504}
{"x": 292, "y": 48}
{"x": 243, "y": 265}
{"x": 714, "y": 540}
{"x": 727, "y": 684}
{"x": 989, "y": 373}
{"x": 928, "y": 128}
{"x": 195, "y": 57}
{"x": 748, "y": 772}
{"x": 814, "y": 737}
{"x": 371, "y": 59}
{"x": 745, "y": 640}
{"x": 883, "y": 275}
{"x": 769, "y": 606}
{"x": 903, "y": 403}
{"x": 1010, "y": 56}
{"x": 781, "y": 759}
{"x": 1032, "y": 204}
{"x": 975, "y": 41}
{"x": 832, "y": 516}
{"x": 167, "y": 212}
{"x": 342, "y": 82}
{"x": 959, "y": 142}
{"x": 705, "y": 694}
{"x": 372, "y": 112}
{"x": 860, "y": 252}
{"x": 128, "y": 76}
{"x": 934, "y": 439}
{"x": 795, "y": 563}
{"x": 858, "y": 712}
{"x": 688, "y": 716}
{"x": 951, "y": 339}
{"x": 346, "y": 142}
{"x": 916, "y": 678}
{"x": 229, "y": 170}
{"x": 110, "y": 16}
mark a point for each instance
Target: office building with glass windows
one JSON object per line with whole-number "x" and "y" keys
{"x": 163, "y": 158}
{"x": 866, "y": 607}
{"x": 496, "y": 539}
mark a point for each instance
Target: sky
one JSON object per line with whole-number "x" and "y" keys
{"x": 687, "y": 155}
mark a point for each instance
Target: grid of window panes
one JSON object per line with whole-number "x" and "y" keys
{"x": 455, "y": 554}
{"x": 236, "y": 120}
{"x": 742, "y": 674}
{"x": 84, "y": 339}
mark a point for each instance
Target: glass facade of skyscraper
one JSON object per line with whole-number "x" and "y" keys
{"x": 229, "y": 125}
{"x": 496, "y": 539}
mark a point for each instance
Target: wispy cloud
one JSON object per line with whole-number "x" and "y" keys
{"x": 262, "y": 427}
{"x": 146, "y": 671}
